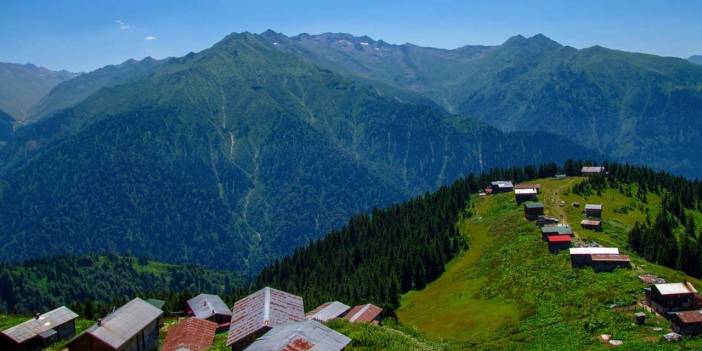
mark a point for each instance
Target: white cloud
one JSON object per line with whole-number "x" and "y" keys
{"x": 150, "y": 37}
{"x": 122, "y": 25}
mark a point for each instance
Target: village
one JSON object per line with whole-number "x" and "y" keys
{"x": 270, "y": 319}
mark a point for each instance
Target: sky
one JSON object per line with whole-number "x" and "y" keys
{"x": 80, "y": 35}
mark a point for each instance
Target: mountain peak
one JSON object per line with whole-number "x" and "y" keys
{"x": 538, "y": 41}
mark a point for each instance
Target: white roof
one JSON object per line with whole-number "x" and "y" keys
{"x": 594, "y": 251}
{"x": 328, "y": 311}
{"x": 592, "y": 169}
{"x": 503, "y": 184}
{"x": 308, "y": 335}
{"x": 41, "y": 324}
{"x": 529, "y": 191}
{"x": 675, "y": 288}
{"x": 593, "y": 206}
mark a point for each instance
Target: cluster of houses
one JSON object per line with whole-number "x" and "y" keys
{"x": 679, "y": 302}
{"x": 269, "y": 319}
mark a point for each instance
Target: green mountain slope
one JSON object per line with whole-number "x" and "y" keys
{"x": 230, "y": 157}
{"x": 75, "y": 90}
{"x": 90, "y": 284}
{"x": 635, "y": 107}
{"x": 6, "y": 127}
{"x": 22, "y": 86}
{"x": 505, "y": 291}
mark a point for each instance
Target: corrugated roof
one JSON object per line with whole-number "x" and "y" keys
{"x": 121, "y": 325}
{"x": 309, "y": 335}
{"x": 328, "y": 311}
{"x": 502, "y": 184}
{"x": 525, "y": 191}
{"x": 594, "y": 251}
{"x": 589, "y": 222}
{"x": 593, "y": 206}
{"x": 363, "y": 313}
{"x": 610, "y": 258}
{"x": 532, "y": 204}
{"x": 191, "y": 334}
{"x": 690, "y": 317}
{"x": 35, "y": 326}
{"x": 559, "y": 238}
{"x": 205, "y": 306}
{"x": 675, "y": 288}
{"x": 528, "y": 186}
{"x": 267, "y": 307}
{"x": 592, "y": 169}
{"x": 559, "y": 229}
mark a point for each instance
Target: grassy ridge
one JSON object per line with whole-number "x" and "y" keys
{"x": 508, "y": 292}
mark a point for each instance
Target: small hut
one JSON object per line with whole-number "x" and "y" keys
{"x": 558, "y": 242}
{"x": 593, "y": 210}
{"x": 592, "y": 224}
{"x": 367, "y": 313}
{"x": 687, "y": 322}
{"x": 328, "y": 311}
{"x": 40, "y": 331}
{"x": 532, "y": 210}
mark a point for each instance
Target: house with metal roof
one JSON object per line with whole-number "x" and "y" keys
{"x": 257, "y": 313}
{"x": 328, "y": 311}
{"x": 687, "y": 322}
{"x": 308, "y": 335}
{"x": 593, "y": 210}
{"x": 558, "y": 242}
{"x": 535, "y": 186}
{"x": 532, "y": 210}
{"x": 501, "y": 186}
{"x": 592, "y": 224}
{"x": 522, "y": 195}
{"x": 608, "y": 263}
{"x": 191, "y": 334}
{"x": 600, "y": 258}
{"x": 132, "y": 327}
{"x": 558, "y": 229}
{"x": 367, "y": 313}
{"x": 672, "y": 297}
{"x": 589, "y": 171}
{"x": 209, "y": 307}
{"x": 40, "y": 331}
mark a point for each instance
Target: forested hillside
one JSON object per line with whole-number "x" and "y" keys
{"x": 94, "y": 284}
{"x": 6, "y": 127}
{"x": 231, "y": 157}
{"x": 638, "y": 108}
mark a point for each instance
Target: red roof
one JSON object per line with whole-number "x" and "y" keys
{"x": 559, "y": 239}
{"x": 363, "y": 313}
{"x": 192, "y": 334}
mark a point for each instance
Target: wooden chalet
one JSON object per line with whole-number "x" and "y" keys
{"x": 583, "y": 256}
{"x": 672, "y": 297}
{"x": 536, "y": 187}
{"x": 592, "y": 224}
{"x": 367, "y": 313}
{"x": 257, "y": 313}
{"x": 558, "y": 242}
{"x": 589, "y": 171}
{"x": 192, "y": 334}
{"x": 328, "y": 311}
{"x": 522, "y": 195}
{"x": 687, "y": 322}
{"x": 608, "y": 263}
{"x": 559, "y": 229}
{"x": 532, "y": 210}
{"x": 301, "y": 336}
{"x": 211, "y": 308}
{"x": 40, "y": 331}
{"x": 132, "y": 327}
{"x": 502, "y": 186}
{"x": 593, "y": 210}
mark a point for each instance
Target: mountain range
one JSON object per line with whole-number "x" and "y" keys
{"x": 632, "y": 107}
{"x": 22, "y": 86}
{"x": 231, "y": 157}
{"x": 695, "y": 59}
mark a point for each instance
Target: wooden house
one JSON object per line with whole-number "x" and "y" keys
{"x": 589, "y": 171}
{"x": 210, "y": 307}
{"x": 502, "y": 186}
{"x": 40, "y": 331}
{"x": 522, "y": 195}
{"x": 608, "y": 263}
{"x": 582, "y": 256}
{"x": 591, "y": 224}
{"x": 132, "y": 327}
{"x": 558, "y": 242}
{"x": 559, "y": 229}
{"x": 191, "y": 334}
{"x": 672, "y": 297}
{"x": 257, "y": 313}
{"x": 532, "y": 210}
{"x": 687, "y": 322}
{"x": 301, "y": 336}
{"x": 593, "y": 210}
{"x": 328, "y": 311}
{"x": 367, "y": 313}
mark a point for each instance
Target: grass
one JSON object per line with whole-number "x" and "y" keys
{"x": 507, "y": 292}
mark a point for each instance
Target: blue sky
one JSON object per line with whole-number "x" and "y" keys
{"x": 83, "y": 35}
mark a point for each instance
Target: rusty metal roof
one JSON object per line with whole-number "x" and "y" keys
{"x": 205, "y": 306}
{"x": 690, "y": 317}
{"x": 40, "y": 325}
{"x": 589, "y": 222}
{"x": 609, "y": 258}
{"x": 309, "y": 335}
{"x": 191, "y": 334}
{"x": 328, "y": 311}
{"x": 267, "y": 307}
{"x": 121, "y": 325}
{"x": 528, "y": 186}
{"x": 363, "y": 313}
